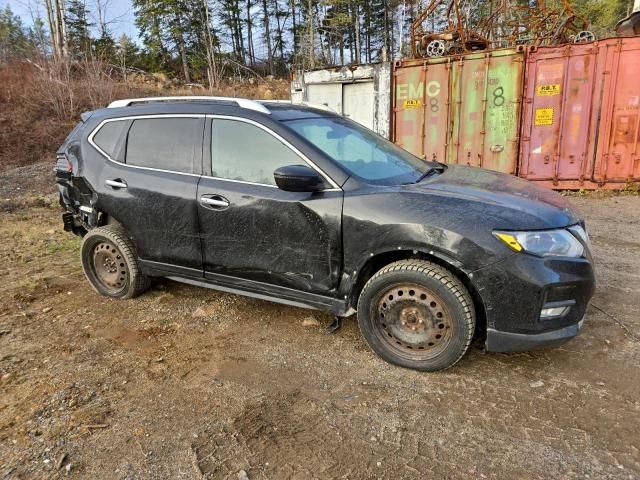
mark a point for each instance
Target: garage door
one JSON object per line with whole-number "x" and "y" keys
{"x": 329, "y": 94}
{"x": 358, "y": 102}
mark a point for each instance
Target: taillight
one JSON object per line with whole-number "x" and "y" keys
{"x": 63, "y": 164}
{"x": 64, "y": 167}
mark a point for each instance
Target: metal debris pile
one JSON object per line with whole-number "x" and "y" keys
{"x": 452, "y": 27}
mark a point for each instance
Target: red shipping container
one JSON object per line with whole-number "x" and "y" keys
{"x": 580, "y": 114}
{"x": 617, "y": 157}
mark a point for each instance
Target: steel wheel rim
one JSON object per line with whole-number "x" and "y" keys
{"x": 109, "y": 266}
{"x": 414, "y": 321}
{"x": 584, "y": 36}
{"x": 436, "y": 48}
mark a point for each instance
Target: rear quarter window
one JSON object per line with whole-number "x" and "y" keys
{"x": 165, "y": 143}
{"x": 110, "y": 139}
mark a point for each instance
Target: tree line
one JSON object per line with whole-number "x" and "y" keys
{"x": 203, "y": 41}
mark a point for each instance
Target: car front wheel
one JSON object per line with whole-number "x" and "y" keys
{"x": 110, "y": 263}
{"x": 417, "y": 314}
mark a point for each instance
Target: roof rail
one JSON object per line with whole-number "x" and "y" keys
{"x": 241, "y": 102}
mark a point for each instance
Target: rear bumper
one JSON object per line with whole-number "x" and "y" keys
{"x": 498, "y": 341}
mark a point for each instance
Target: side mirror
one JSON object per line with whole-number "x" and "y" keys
{"x": 298, "y": 178}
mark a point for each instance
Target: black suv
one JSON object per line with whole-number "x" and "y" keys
{"x": 298, "y": 205}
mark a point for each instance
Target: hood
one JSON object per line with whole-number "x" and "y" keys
{"x": 514, "y": 203}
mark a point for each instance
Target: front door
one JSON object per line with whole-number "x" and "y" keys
{"x": 253, "y": 230}
{"x": 149, "y": 185}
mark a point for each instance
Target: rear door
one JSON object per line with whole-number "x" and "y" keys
{"x": 149, "y": 185}
{"x": 257, "y": 231}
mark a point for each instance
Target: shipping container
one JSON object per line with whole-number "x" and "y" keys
{"x": 361, "y": 93}
{"x": 463, "y": 109}
{"x": 560, "y": 115}
{"x": 617, "y": 151}
{"x": 580, "y": 117}
{"x": 567, "y": 116}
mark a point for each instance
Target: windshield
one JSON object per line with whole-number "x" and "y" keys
{"x": 360, "y": 151}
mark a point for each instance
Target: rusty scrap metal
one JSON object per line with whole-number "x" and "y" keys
{"x": 503, "y": 23}
{"x": 541, "y": 23}
{"x": 456, "y": 36}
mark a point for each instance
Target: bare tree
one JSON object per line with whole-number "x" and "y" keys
{"x": 101, "y": 7}
{"x": 57, "y": 28}
{"x": 267, "y": 34}
{"x": 355, "y": 12}
{"x": 312, "y": 35}
{"x": 250, "y": 50}
{"x": 62, "y": 31}
{"x": 212, "y": 73}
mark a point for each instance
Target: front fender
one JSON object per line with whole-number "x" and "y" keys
{"x": 352, "y": 277}
{"x": 390, "y": 226}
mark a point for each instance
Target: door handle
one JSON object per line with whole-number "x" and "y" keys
{"x": 215, "y": 201}
{"x": 116, "y": 184}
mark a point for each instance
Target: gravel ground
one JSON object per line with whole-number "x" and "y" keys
{"x": 189, "y": 383}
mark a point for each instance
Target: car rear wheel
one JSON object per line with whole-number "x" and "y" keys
{"x": 417, "y": 314}
{"x": 110, "y": 263}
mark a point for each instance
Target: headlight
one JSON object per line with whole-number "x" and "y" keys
{"x": 545, "y": 243}
{"x": 581, "y": 232}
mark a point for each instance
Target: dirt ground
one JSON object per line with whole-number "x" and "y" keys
{"x": 189, "y": 383}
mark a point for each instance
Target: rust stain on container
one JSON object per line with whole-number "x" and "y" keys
{"x": 470, "y": 108}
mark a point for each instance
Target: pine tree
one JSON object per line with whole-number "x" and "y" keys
{"x": 148, "y": 18}
{"x": 78, "y": 25}
{"x": 13, "y": 38}
{"x": 381, "y": 24}
{"x": 335, "y": 26}
{"x": 104, "y": 47}
{"x": 126, "y": 54}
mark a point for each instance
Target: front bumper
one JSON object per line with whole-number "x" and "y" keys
{"x": 515, "y": 290}
{"x": 498, "y": 341}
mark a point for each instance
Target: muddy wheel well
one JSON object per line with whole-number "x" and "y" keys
{"x": 379, "y": 261}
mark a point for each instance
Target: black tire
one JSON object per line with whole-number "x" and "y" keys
{"x": 416, "y": 314}
{"x": 110, "y": 263}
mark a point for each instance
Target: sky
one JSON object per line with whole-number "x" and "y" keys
{"x": 120, "y": 14}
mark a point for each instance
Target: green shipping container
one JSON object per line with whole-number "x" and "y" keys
{"x": 463, "y": 109}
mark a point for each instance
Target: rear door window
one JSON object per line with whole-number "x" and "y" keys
{"x": 241, "y": 151}
{"x": 165, "y": 144}
{"x": 110, "y": 139}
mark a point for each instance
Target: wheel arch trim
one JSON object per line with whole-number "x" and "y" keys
{"x": 355, "y": 280}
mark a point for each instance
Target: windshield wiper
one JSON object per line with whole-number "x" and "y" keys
{"x": 431, "y": 171}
